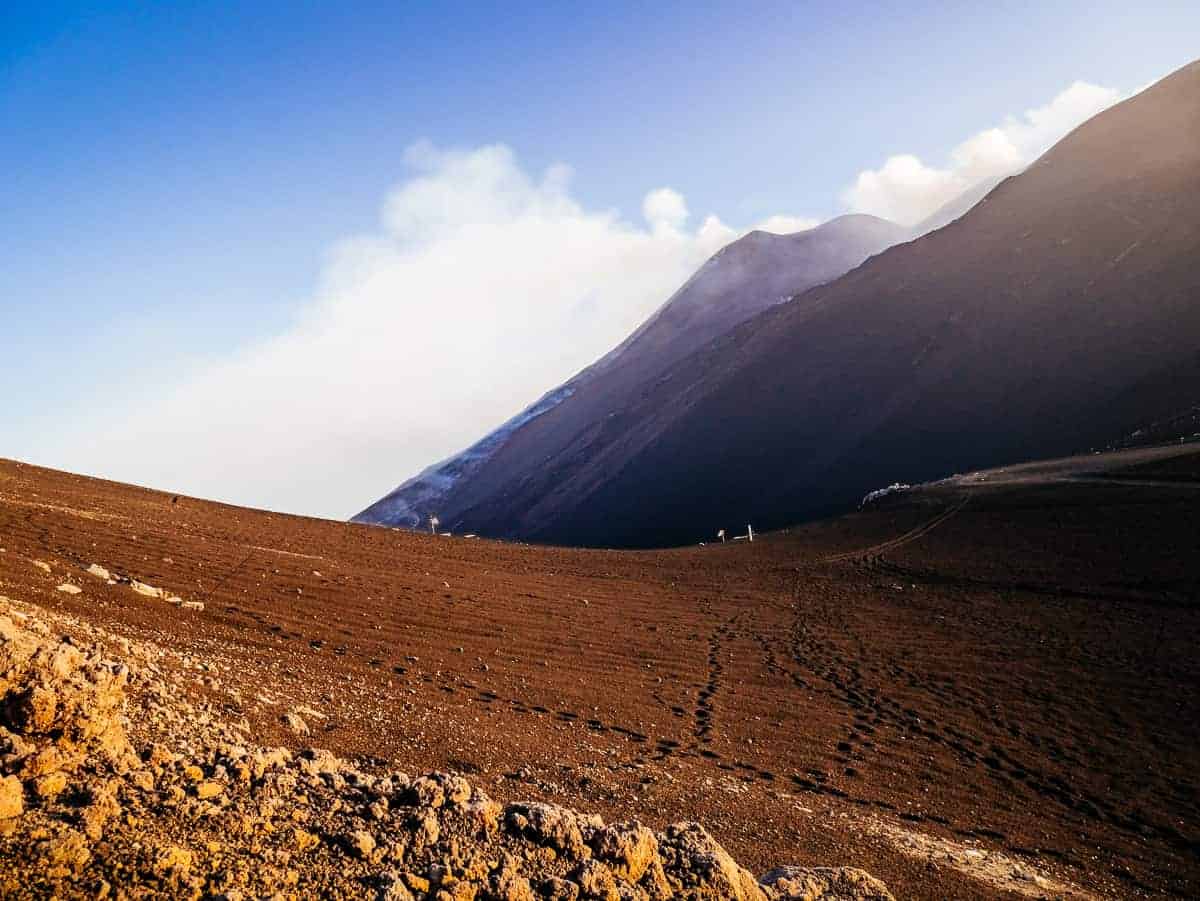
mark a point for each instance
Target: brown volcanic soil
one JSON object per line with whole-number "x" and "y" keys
{"x": 989, "y": 676}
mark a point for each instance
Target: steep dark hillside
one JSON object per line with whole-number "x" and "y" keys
{"x": 752, "y": 274}
{"x": 1059, "y": 315}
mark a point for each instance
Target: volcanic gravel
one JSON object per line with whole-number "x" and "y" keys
{"x": 981, "y": 688}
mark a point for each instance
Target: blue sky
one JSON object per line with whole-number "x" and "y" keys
{"x": 179, "y": 176}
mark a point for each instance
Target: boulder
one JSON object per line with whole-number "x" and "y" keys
{"x": 295, "y": 723}
{"x": 12, "y": 797}
{"x": 825, "y": 884}
{"x": 360, "y": 843}
{"x": 146, "y": 590}
{"x": 550, "y": 825}
{"x": 627, "y": 848}
{"x": 694, "y": 860}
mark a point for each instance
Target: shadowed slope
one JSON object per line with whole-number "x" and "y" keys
{"x": 1057, "y": 316}
{"x": 753, "y": 273}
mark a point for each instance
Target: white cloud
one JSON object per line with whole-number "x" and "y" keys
{"x": 787, "y": 225}
{"x": 905, "y": 189}
{"x": 484, "y": 287}
{"x": 665, "y": 209}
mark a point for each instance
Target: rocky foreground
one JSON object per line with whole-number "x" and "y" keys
{"x": 113, "y": 784}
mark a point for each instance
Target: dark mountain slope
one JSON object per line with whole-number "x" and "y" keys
{"x": 956, "y": 208}
{"x": 1056, "y": 316}
{"x": 754, "y": 273}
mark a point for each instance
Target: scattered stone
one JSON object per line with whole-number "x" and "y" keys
{"x": 12, "y": 797}
{"x": 173, "y": 860}
{"x": 65, "y": 660}
{"x": 827, "y": 884}
{"x": 68, "y": 588}
{"x": 392, "y": 888}
{"x": 147, "y": 590}
{"x": 67, "y": 856}
{"x": 307, "y": 711}
{"x": 209, "y": 789}
{"x": 417, "y": 883}
{"x": 697, "y": 860}
{"x": 549, "y": 824}
{"x": 597, "y": 881}
{"x": 627, "y": 848}
{"x": 558, "y": 889}
{"x": 99, "y": 572}
{"x": 200, "y": 813}
{"x": 295, "y": 722}
{"x": 509, "y": 885}
{"x": 192, "y": 605}
{"x": 42, "y": 565}
{"x": 99, "y": 812}
{"x": 50, "y": 785}
{"x": 360, "y": 843}
{"x": 304, "y": 840}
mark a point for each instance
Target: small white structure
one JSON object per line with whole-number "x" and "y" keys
{"x": 433, "y": 523}
{"x": 721, "y": 535}
{"x": 750, "y": 531}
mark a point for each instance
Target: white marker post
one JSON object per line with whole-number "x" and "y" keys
{"x": 750, "y": 531}
{"x": 434, "y": 522}
{"x": 721, "y": 535}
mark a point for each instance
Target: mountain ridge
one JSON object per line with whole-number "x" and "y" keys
{"x": 918, "y": 325}
{"x": 753, "y": 273}
{"x": 1028, "y": 244}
